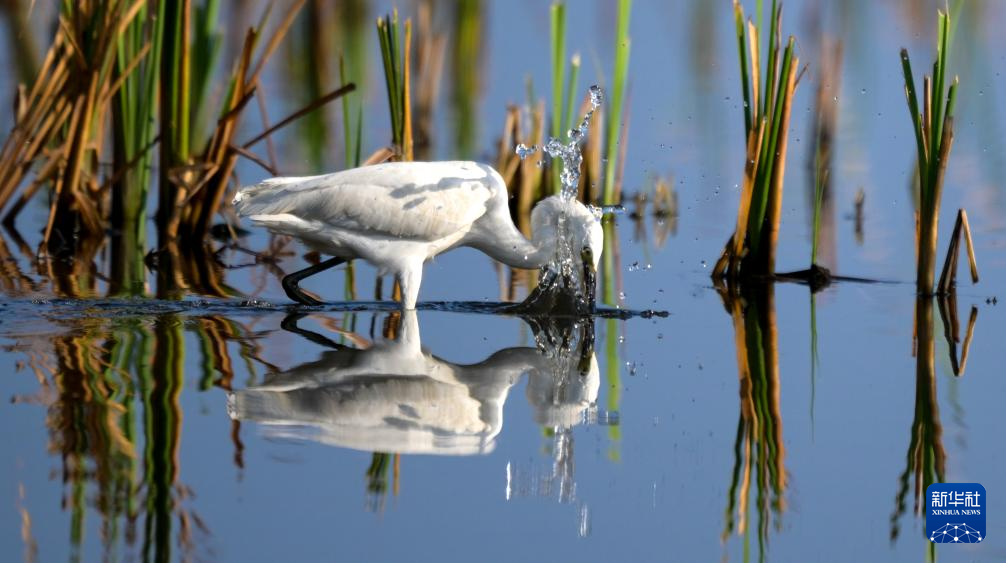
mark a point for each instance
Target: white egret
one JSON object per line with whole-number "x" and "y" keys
{"x": 398, "y": 215}
{"x": 397, "y": 397}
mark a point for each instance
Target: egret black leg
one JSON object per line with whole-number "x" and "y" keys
{"x": 291, "y": 281}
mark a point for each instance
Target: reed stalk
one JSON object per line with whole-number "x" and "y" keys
{"x": 558, "y": 50}
{"x": 174, "y": 111}
{"x": 616, "y": 104}
{"x": 203, "y": 184}
{"x": 767, "y": 109}
{"x": 823, "y": 131}
{"x": 352, "y": 69}
{"x": 571, "y": 89}
{"x": 557, "y": 19}
{"x": 352, "y": 135}
{"x": 395, "y": 53}
{"x": 466, "y": 67}
{"x": 207, "y": 40}
{"x": 309, "y": 67}
{"x": 820, "y": 180}
{"x": 134, "y": 114}
{"x": 948, "y": 279}
{"x": 933, "y": 127}
{"x": 126, "y": 76}
{"x": 66, "y": 107}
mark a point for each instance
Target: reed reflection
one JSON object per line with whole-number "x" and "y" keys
{"x": 759, "y": 451}
{"x": 926, "y": 459}
{"x": 112, "y": 390}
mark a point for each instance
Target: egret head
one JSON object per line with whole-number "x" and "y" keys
{"x": 574, "y": 231}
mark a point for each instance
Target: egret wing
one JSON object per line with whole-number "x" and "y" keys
{"x": 418, "y": 200}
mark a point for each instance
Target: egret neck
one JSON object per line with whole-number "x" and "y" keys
{"x": 509, "y": 246}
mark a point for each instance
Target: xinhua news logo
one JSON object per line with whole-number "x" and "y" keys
{"x": 955, "y": 512}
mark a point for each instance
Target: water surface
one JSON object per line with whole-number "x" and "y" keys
{"x": 757, "y": 425}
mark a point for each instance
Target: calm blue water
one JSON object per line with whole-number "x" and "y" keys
{"x": 638, "y": 459}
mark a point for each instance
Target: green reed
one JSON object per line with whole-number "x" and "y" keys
{"x": 116, "y": 73}
{"x": 352, "y": 69}
{"x": 565, "y": 106}
{"x": 768, "y": 98}
{"x": 820, "y": 177}
{"x": 563, "y": 90}
{"x": 824, "y": 126}
{"x": 571, "y": 91}
{"x": 308, "y": 67}
{"x": 933, "y": 125}
{"x": 86, "y": 85}
{"x": 352, "y": 135}
{"x": 174, "y": 108}
{"x": 207, "y": 40}
{"x": 134, "y": 113}
{"x": 466, "y": 67}
{"x": 353, "y": 143}
{"x": 558, "y": 50}
{"x": 395, "y": 53}
{"x": 616, "y": 105}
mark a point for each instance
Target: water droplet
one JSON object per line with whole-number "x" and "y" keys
{"x": 703, "y": 263}
{"x": 863, "y": 91}
{"x": 523, "y": 151}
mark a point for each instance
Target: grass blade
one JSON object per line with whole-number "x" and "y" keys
{"x": 616, "y": 104}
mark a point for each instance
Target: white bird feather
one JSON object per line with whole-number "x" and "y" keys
{"x": 399, "y": 215}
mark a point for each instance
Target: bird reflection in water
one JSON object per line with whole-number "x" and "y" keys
{"x": 394, "y": 396}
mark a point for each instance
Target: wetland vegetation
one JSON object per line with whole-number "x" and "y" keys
{"x": 166, "y": 401}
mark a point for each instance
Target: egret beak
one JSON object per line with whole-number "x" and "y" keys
{"x": 589, "y": 279}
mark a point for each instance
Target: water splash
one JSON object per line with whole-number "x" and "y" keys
{"x": 523, "y": 151}
{"x": 568, "y": 152}
{"x": 562, "y": 284}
